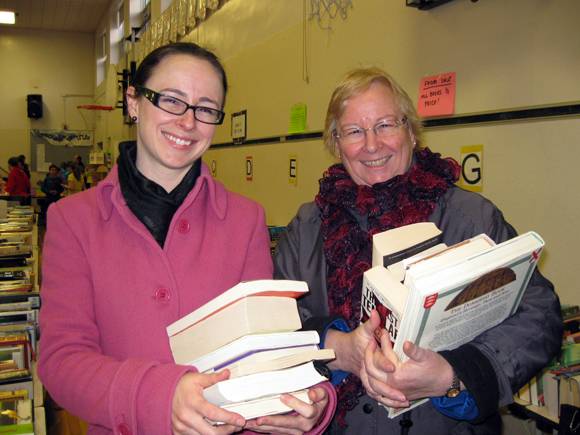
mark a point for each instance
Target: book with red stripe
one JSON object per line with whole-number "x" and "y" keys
{"x": 262, "y": 287}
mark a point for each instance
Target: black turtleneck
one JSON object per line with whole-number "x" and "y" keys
{"x": 148, "y": 201}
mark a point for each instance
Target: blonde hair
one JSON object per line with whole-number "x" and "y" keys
{"x": 358, "y": 81}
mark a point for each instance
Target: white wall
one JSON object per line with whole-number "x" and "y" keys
{"x": 42, "y": 62}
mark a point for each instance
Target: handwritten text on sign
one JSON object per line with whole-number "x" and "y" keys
{"x": 437, "y": 95}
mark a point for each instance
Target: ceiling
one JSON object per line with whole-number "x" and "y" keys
{"x": 61, "y": 15}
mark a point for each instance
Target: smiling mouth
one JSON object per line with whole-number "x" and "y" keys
{"x": 375, "y": 163}
{"x": 180, "y": 142}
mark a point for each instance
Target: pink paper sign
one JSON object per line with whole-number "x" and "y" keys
{"x": 437, "y": 95}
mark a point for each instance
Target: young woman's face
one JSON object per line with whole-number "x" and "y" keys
{"x": 53, "y": 172}
{"x": 167, "y": 144}
{"x": 375, "y": 159}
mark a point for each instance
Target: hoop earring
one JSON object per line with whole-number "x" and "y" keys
{"x": 134, "y": 119}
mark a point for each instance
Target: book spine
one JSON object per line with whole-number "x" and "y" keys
{"x": 372, "y": 299}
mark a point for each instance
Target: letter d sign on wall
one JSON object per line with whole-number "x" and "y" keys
{"x": 472, "y": 168}
{"x": 249, "y": 168}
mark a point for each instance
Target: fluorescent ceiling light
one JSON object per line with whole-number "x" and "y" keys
{"x": 7, "y": 17}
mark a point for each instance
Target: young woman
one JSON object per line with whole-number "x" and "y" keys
{"x": 152, "y": 242}
{"x": 75, "y": 180}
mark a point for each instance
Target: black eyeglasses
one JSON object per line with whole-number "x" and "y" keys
{"x": 175, "y": 106}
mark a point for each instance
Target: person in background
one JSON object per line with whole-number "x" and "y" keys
{"x": 155, "y": 240}
{"x": 386, "y": 179}
{"x": 65, "y": 172}
{"x": 84, "y": 175}
{"x": 22, "y": 163}
{"x": 76, "y": 182}
{"x": 78, "y": 160}
{"x": 51, "y": 187}
{"x": 18, "y": 183}
{"x": 59, "y": 173}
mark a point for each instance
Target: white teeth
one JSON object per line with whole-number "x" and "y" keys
{"x": 178, "y": 141}
{"x": 376, "y": 162}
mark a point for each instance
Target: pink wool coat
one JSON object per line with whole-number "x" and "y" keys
{"x": 109, "y": 291}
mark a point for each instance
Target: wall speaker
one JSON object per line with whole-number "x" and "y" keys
{"x": 34, "y": 106}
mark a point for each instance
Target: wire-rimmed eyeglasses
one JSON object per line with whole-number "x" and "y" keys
{"x": 385, "y": 128}
{"x": 175, "y": 106}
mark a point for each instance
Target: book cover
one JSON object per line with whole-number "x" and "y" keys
{"x": 16, "y": 417}
{"x": 8, "y": 396}
{"x": 450, "y": 305}
{"x": 250, "y": 344}
{"x": 256, "y": 314}
{"x": 18, "y": 383}
{"x": 383, "y": 292}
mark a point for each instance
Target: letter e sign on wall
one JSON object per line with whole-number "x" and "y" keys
{"x": 472, "y": 168}
{"x": 293, "y": 169}
{"x": 249, "y": 168}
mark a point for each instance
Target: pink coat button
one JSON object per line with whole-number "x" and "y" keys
{"x": 163, "y": 295}
{"x": 183, "y": 226}
{"x": 124, "y": 429}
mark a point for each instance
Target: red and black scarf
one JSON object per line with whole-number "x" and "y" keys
{"x": 402, "y": 200}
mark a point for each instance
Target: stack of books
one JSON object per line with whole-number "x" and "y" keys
{"x": 16, "y": 416}
{"x": 441, "y": 297}
{"x": 19, "y": 300}
{"x": 19, "y": 303}
{"x": 15, "y": 236}
{"x": 275, "y": 234}
{"x": 251, "y": 330}
{"x": 557, "y": 384}
{"x": 19, "y": 307}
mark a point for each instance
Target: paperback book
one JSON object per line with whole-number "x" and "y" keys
{"x": 450, "y": 304}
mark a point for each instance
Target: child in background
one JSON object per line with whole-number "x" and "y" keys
{"x": 52, "y": 186}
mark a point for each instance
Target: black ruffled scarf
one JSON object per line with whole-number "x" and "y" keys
{"x": 148, "y": 201}
{"x": 402, "y": 200}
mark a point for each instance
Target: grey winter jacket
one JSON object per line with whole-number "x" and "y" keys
{"x": 493, "y": 366}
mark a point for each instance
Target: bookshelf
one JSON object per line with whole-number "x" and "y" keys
{"x": 524, "y": 410}
{"x": 20, "y": 303}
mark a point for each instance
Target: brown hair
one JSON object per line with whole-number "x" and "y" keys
{"x": 355, "y": 83}
{"x": 148, "y": 66}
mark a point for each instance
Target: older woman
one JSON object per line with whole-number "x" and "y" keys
{"x": 155, "y": 240}
{"x": 386, "y": 180}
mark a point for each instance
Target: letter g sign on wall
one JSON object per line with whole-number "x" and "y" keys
{"x": 472, "y": 168}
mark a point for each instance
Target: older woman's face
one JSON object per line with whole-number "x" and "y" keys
{"x": 375, "y": 159}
